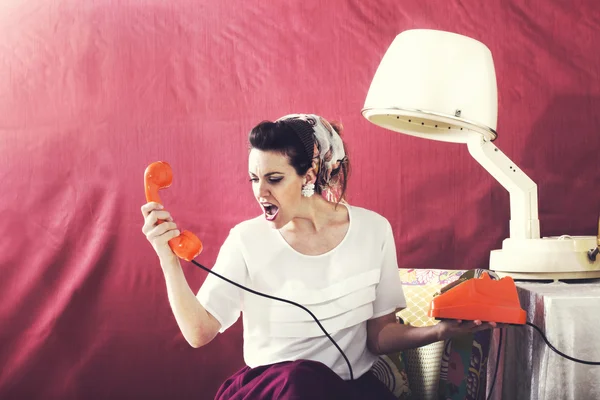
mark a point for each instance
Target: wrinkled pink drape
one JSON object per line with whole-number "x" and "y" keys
{"x": 92, "y": 92}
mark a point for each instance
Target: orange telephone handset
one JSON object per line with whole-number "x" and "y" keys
{"x": 159, "y": 175}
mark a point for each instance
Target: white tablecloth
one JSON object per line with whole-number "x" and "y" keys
{"x": 569, "y": 314}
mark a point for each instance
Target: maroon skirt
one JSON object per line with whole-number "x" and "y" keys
{"x": 300, "y": 380}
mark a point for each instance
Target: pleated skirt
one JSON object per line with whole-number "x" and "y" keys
{"x": 300, "y": 380}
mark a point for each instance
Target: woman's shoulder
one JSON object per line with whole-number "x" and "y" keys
{"x": 251, "y": 228}
{"x": 251, "y": 225}
{"x": 368, "y": 217}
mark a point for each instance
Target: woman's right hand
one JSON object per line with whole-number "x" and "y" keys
{"x": 159, "y": 234}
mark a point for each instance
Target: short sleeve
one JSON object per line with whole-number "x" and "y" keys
{"x": 219, "y": 297}
{"x": 389, "y": 293}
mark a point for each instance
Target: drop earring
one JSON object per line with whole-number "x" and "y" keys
{"x": 308, "y": 189}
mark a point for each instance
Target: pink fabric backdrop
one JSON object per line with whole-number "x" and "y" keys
{"x": 92, "y": 92}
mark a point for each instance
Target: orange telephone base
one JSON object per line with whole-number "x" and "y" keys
{"x": 481, "y": 299}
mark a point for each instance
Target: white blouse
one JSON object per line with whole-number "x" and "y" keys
{"x": 356, "y": 281}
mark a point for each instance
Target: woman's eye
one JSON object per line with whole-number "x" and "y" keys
{"x": 271, "y": 180}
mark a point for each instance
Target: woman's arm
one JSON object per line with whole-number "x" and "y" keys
{"x": 385, "y": 335}
{"x": 198, "y": 326}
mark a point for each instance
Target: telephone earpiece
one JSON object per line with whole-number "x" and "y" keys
{"x": 159, "y": 175}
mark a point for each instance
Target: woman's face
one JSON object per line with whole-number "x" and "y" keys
{"x": 276, "y": 186}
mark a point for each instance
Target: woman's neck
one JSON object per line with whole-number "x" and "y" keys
{"x": 317, "y": 214}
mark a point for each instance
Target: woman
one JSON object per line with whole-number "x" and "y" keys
{"x": 308, "y": 246}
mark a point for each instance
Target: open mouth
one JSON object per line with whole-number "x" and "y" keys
{"x": 270, "y": 211}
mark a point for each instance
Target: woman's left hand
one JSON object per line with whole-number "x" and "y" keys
{"x": 450, "y": 328}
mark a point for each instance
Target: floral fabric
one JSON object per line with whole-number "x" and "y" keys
{"x": 464, "y": 360}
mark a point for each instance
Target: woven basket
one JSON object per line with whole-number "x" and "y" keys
{"x": 423, "y": 367}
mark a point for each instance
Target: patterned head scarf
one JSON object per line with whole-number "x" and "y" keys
{"x": 326, "y": 143}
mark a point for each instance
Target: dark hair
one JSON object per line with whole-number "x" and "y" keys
{"x": 289, "y": 138}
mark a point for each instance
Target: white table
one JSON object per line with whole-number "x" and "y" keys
{"x": 569, "y": 314}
